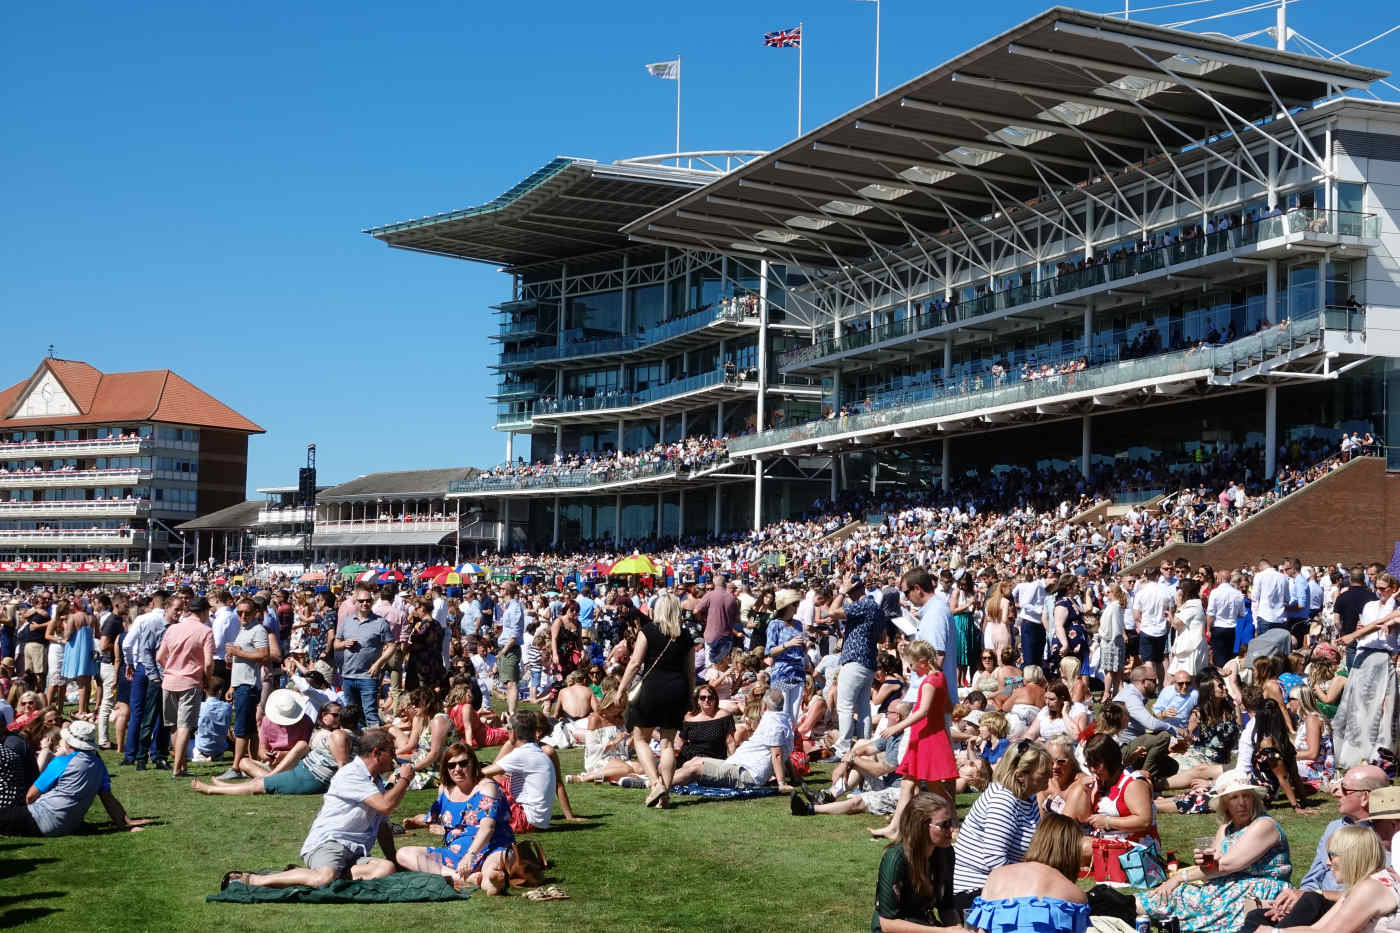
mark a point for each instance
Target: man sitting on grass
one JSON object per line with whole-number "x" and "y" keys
{"x": 762, "y": 757}
{"x": 351, "y": 818}
{"x": 59, "y": 799}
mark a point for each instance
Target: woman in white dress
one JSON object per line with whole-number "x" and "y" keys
{"x": 1188, "y": 651}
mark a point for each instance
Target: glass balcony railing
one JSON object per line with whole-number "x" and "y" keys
{"x": 582, "y": 478}
{"x": 969, "y": 395}
{"x": 731, "y": 310}
{"x": 628, "y": 399}
{"x": 523, "y": 327}
{"x": 510, "y": 389}
{"x": 1300, "y": 221}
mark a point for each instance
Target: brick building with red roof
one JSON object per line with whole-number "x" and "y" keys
{"x": 96, "y": 467}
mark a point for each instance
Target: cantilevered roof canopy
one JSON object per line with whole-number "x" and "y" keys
{"x": 570, "y": 207}
{"x": 1042, "y": 110}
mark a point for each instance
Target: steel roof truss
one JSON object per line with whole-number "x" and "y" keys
{"x": 758, "y": 227}
{"x": 1159, "y": 74}
{"x": 796, "y": 192}
{"x": 771, "y": 210}
{"x": 999, "y": 148}
{"x": 1201, "y": 87}
{"x": 1287, "y": 112}
{"x": 862, "y": 179}
{"x": 972, "y": 116}
{"x": 943, "y": 157}
{"x": 1139, "y": 42}
{"x": 1059, "y": 96}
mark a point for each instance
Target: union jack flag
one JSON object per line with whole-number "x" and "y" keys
{"x": 783, "y": 38}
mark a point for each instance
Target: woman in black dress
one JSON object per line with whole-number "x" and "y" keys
{"x": 708, "y": 731}
{"x": 663, "y": 657}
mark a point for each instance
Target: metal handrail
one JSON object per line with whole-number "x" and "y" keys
{"x": 953, "y": 400}
{"x": 1128, "y": 265}
{"x": 580, "y": 478}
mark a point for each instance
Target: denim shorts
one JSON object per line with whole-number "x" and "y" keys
{"x": 245, "y": 710}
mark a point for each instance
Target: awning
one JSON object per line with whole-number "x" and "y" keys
{"x": 1033, "y": 122}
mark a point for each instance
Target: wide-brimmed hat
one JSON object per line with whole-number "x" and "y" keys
{"x": 1383, "y": 803}
{"x": 785, "y": 598}
{"x": 1234, "y": 782}
{"x": 285, "y": 707}
{"x": 80, "y": 735}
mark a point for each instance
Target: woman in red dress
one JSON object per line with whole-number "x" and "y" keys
{"x": 928, "y": 759}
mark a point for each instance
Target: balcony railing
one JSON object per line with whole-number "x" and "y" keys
{"x": 278, "y": 542}
{"x": 95, "y": 537}
{"x": 511, "y": 389}
{"x": 283, "y": 516}
{"x": 629, "y": 399}
{"x": 951, "y": 400}
{"x": 49, "y": 478}
{"x": 1298, "y": 221}
{"x": 697, "y": 320}
{"x": 524, "y": 327}
{"x": 581, "y": 478}
{"x": 99, "y": 446}
{"x": 75, "y": 507}
{"x": 62, "y": 567}
{"x": 390, "y": 525}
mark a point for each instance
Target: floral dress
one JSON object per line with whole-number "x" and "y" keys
{"x": 1220, "y": 904}
{"x": 461, "y": 819}
{"x": 428, "y": 778}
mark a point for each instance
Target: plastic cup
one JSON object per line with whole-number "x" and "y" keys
{"x": 1206, "y": 846}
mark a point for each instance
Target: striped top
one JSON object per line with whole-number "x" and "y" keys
{"x": 996, "y": 832}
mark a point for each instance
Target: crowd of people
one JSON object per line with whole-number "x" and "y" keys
{"x": 688, "y": 453}
{"x": 985, "y": 641}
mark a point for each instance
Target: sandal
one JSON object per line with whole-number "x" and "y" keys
{"x": 655, "y": 797}
{"x": 551, "y": 893}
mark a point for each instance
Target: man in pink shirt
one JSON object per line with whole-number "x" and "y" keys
{"x": 391, "y": 610}
{"x": 186, "y": 656}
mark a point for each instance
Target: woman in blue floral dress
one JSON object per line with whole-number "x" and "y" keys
{"x": 1248, "y": 862}
{"x": 472, "y": 814}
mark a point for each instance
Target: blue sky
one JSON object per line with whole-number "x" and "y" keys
{"x": 185, "y": 182}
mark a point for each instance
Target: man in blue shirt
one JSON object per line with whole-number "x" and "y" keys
{"x": 509, "y": 668}
{"x": 585, "y": 607}
{"x": 1362, "y": 798}
{"x": 1175, "y": 706}
{"x": 57, "y": 802}
{"x": 864, "y": 629}
{"x": 936, "y": 627}
{"x": 1296, "y": 611}
{"x": 367, "y": 645}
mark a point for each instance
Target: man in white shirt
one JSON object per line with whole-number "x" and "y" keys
{"x": 1223, "y": 611}
{"x": 1379, "y": 625}
{"x": 532, "y": 777}
{"x": 1269, "y": 597}
{"x": 352, "y": 817}
{"x": 1151, "y": 607}
{"x": 762, "y": 757}
{"x": 1030, "y": 602}
{"x": 225, "y": 625}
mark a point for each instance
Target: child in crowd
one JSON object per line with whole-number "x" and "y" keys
{"x": 211, "y": 738}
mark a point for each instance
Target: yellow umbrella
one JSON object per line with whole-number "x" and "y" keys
{"x": 634, "y": 564}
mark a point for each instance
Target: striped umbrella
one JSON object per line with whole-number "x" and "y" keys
{"x": 469, "y": 567}
{"x": 390, "y": 576}
{"x": 367, "y": 576}
{"x": 449, "y": 578}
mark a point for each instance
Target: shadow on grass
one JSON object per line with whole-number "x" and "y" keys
{"x": 13, "y": 867}
{"x": 9, "y": 899}
{"x": 559, "y": 826}
{"x": 108, "y": 829}
{"x": 15, "y": 918}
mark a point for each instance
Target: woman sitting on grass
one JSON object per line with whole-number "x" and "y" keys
{"x": 473, "y": 818}
{"x": 606, "y": 748}
{"x": 330, "y": 748}
{"x": 914, "y": 890}
{"x": 1371, "y": 901}
{"x": 1038, "y": 895}
{"x": 428, "y": 730}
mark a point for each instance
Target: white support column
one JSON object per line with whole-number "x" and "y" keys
{"x": 1088, "y": 229}
{"x": 947, "y": 359}
{"x": 761, "y": 401}
{"x": 554, "y": 542}
{"x": 874, "y": 471}
{"x": 620, "y": 428}
{"x": 684, "y": 420}
{"x": 757, "y": 493}
{"x": 1270, "y": 431}
{"x": 1085, "y": 446}
{"x": 510, "y": 447}
{"x": 1088, "y": 328}
{"x": 947, "y": 464}
{"x": 947, "y": 275}
{"x": 558, "y": 441}
{"x": 1273, "y": 175}
{"x": 719, "y": 418}
{"x": 661, "y": 429}
{"x": 717, "y": 505}
{"x": 457, "y": 551}
{"x": 504, "y": 536}
{"x": 1271, "y": 291}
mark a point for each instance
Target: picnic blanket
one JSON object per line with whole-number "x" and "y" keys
{"x": 722, "y": 793}
{"x": 399, "y": 888}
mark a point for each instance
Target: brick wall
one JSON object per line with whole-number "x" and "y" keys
{"x": 1351, "y": 515}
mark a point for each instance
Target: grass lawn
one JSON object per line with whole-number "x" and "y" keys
{"x": 707, "y": 865}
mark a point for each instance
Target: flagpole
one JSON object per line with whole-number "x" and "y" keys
{"x": 678, "y": 107}
{"x": 801, "y": 48}
{"x": 877, "y": 48}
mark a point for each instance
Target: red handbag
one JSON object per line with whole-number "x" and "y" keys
{"x": 798, "y": 763}
{"x": 1105, "y": 865}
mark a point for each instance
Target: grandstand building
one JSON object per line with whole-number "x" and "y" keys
{"x": 1085, "y": 242}
{"x": 96, "y": 468}
{"x": 610, "y": 343}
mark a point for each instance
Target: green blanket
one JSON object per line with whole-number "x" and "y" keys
{"x": 399, "y": 888}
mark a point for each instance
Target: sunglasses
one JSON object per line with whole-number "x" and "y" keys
{"x": 458, "y": 764}
{"x": 365, "y": 602}
{"x": 946, "y": 825}
{"x": 708, "y": 696}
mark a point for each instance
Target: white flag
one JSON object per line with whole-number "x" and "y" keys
{"x": 669, "y": 71}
